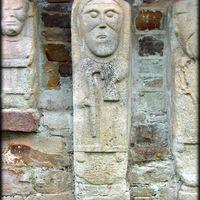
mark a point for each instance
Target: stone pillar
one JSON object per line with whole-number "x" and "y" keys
{"x": 185, "y": 115}
{"x": 19, "y": 66}
{"x": 101, "y": 39}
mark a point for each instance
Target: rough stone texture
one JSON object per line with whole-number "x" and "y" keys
{"x": 27, "y": 150}
{"x": 100, "y": 48}
{"x": 20, "y": 121}
{"x": 11, "y": 182}
{"x": 57, "y": 20}
{"x": 59, "y": 181}
{"x": 65, "y": 69}
{"x": 148, "y": 20}
{"x": 57, "y": 52}
{"x": 185, "y": 125}
{"x": 150, "y": 46}
{"x": 60, "y": 196}
{"x": 57, "y": 34}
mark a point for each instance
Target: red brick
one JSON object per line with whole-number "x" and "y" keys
{"x": 65, "y": 69}
{"x": 57, "y": 52}
{"x": 148, "y": 20}
{"x": 57, "y": 20}
{"x": 19, "y": 121}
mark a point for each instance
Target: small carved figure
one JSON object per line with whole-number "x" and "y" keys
{"x": 14, "y": 15}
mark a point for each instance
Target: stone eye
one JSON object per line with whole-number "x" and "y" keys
{"x": 93, "y": 14}
{"x": 110, "y": 14}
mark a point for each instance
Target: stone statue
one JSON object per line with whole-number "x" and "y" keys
{"x": 99, "y": 23}
{"x": 19, "y": 58}
{"x": 17, "y": 31}
{"x": 101, "y": 40}
{"x": 14, "y": 16}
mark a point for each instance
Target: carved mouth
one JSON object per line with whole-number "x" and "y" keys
{"x": 11, "y": 23}
{"x": 101, "y": 36}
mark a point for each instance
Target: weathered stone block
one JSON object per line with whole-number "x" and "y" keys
{"x": 27, "y": 150}
{"x": 57, "y": 20}
{"x": 58, "y": 181}
{"x": 100, "y": 168}
{"x": 26, "y": 121}
{"x": 63, "y": 100}
{"x": 57, "y": 120}
{"x": 153, "y": 83}
{"x": 50, "y": 66}
{"x": 11, "y": 182}
{"x": 61, "y": 196}
{"x": 57, "y": 34}
{"x": 65, "y": 69}
{"x": 150, "y": 136}
{"x": 51, "y": 79}
{"x": 169, "y": 191}
{"x": 59, "y": 7}
{"x": 57, "y": 52}
{"x": 188, "y": 171}
{"x": 12, "y": 198}
{"x": 148, "y": 20}
{"x": 141, "y": 154}
{"x": 150, "y": 45}
{"x": 154, "y": 172}
{"x": 152, "y": 101}
{"x": 139, "y": 191}
{"x": 151, "y": 66}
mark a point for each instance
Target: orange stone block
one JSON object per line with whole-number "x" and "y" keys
{"x": 148, "y": 20}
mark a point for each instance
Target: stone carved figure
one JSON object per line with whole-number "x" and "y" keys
{"x": 101, "y": 24}
{"x": 17, "y": 33}
{"x": 101, "y": 29}
{"x": 14, "y": 16}
{"x": 101, "y": 39}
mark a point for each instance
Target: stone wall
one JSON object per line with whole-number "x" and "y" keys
{"x": 37, "y": 102}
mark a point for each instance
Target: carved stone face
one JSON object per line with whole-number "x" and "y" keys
{"x": 101, "y": 22}
{"x": 13, "y": 16}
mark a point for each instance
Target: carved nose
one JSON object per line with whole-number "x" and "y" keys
{"x": 11, "y": 14}
{"x": 103, "y": 23}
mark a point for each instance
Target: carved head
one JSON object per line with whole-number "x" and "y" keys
{"x": 101, "y": 22}
{"x": 13, "y": 16}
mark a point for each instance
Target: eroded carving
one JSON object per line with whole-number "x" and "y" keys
{"x": 102, "y": 40}
{"x": 100, "y": 51}
{"x": 14, "y": 16}
{"x": 17, "y": 33}
{"x": 101, "y": 24}
{"x": 101, "y": 32}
